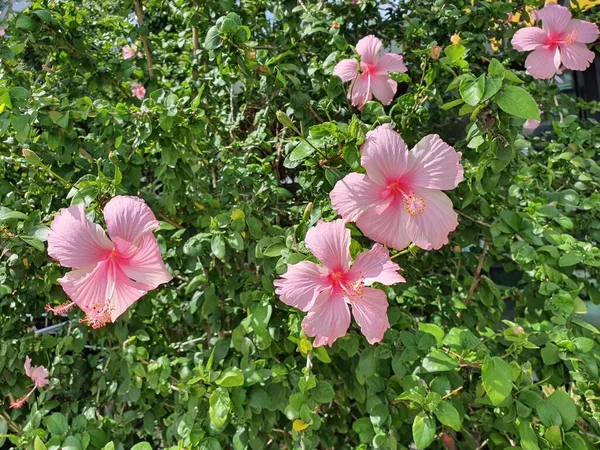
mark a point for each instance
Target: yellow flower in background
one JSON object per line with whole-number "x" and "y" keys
{"x": 583, "y": 4}
{"x": 455, "y": 39}
{"x": 495, "y": 44}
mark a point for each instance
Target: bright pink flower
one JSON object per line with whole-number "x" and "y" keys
{"x": 373, "y": 78}
{"x": 109, "y": 274}
{"x": 399, "y": 199}
{"x": 325, "y": 290}
{"x": 138, "y": 91}
{"x": 129, "y": 51}
{"x": 39, "y": 376}
{"x": 560, "y": 40}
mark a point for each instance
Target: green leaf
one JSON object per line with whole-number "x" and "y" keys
{"x": 33, "y": 242}
{"x": 497, "y": 379}
{"x": 5, "y": 101}
{"x": 231, "y": 377}
{"x": 570, "y": 259}
{"x": 302, "y": 151}
{"x": 209, "y": 444}
{"x": 142, "y": 446}
{"x": 527, "y": 436}
{"x": 565, "y": 406}
{"x": 517, "y": 102}
{"x": 472, "y": 90}
{"x": 496, "y": 70}
{"x": 38, "y": 444}
{"x": 423, "y": 430}
{"x": 575, "y": 442}
{"x": 510, "y": 76}
{"x": 71, "y": 443}
{"x": 322, "y": 392}
{"x": 448, "y": 415}
{"x": 212, "y": 39}
{"x": 25, "y": 23}
{"x": 7, "y": 214}
{"x": 217, "y": 246}
{"x": 57, "y": 424}
{"x": 434, "y": 330}
{"x": 220, "y": 404}
{"x": 452, "y": 104}
{"x": 438, "y": 361}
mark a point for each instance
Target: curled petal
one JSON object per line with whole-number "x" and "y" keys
{"x": 301, "y": 284}
{"x": 375, "y": 266}
{"x": 128, "y": 219}
{"x": 436, "y": 165}
{"x": 347, "y": 69}
{"x": 74, "y": 241}
{"x": 529, "y": 38}
{"x": 330, "y": 243}
{"x": 360, "y": 91}
{"x": 146, "y": 264}
{"x": 430, "y": 229}
{"x": 368, "y": 48}
{"x": 384, "y": 155}
{"x": 370, "y": 313}
{"x": 328, "y": 320}
{"x": 353, "y": 195}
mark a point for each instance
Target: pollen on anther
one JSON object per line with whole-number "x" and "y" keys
{"x": 414, "y": 206}
{"x": 570, "y": 38}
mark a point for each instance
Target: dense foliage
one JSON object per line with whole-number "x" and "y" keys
{"x": 241, "y": 136}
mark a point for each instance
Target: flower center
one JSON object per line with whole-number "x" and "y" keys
{"x": 368, "y": 69}
{"x": 353, "y": 290}
{"x": 414, "y": 206}
{"x": 99, "y": 314}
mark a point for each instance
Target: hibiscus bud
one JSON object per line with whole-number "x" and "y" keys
{"x": 435, "y": 52}
{"x": 32, "y": 157}
{"x": 335, "y": 24}
{"x": 518, "y": 330}
{"x": 251, "y": 54}
{"x": 455, "y": 39}
{"x": 457, "y": 249}
{"x": 307, "y": 211}
{"x": 113, "y": 157}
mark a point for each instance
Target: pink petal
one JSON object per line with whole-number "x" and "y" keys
{"x": 430, "y": 229}
{"x": 531, "y": 124}
{"x": 384, "y": 155}
{"x": 583, "y": 31}
{"x": 435, "y": 164}
{"x": 576, "y": 56}
{"x": 128, "y": 219}
{"x": 370, "y": 312}
{"x": 146, "y": 265}
{"x": 328, "y": 320}
{"x": 375, "y": 266}
{"x": 39, "y": 375}
{"x": 390, "y": 62}
{"x": 360, "y": 91}
{"x": 330, "y": 243}
{"x": 555, "y": 18}
{"x": 125, "y": 292}
{"x": 529, "y": 38}
{"x": 301, "y": 284}
{"x": 346, "y": 69}
{"x": 353, "y": 195}
{"x": 74, "y": 241}
{"x": 28, "y": 366}
{"x": 543, "y": 62}
{"x": 387, "y": 226}
{"x": 383, "y": 88}
{"x": 368, "y": 48}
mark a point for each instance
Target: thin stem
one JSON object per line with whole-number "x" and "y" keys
{"x": 403, "y": 252}
{"x": 139, "y": 13}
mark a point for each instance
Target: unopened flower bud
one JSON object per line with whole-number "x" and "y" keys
{"x": 32, "y": 157}
{"x": 435, "y": 52}
{"x": 518, "y": 330}
{"x": 307, "y": 211}
{"x": 457, "y": 249}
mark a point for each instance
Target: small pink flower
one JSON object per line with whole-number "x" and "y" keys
{"x": 39, "y": 376}
{"x": 2, "y": 31}
{"x": 532, "y": 124}
{"x": 108, "y": 275}
{"x": 138, "y": 91}
{"x": 400, "y": 198}
{"x": 373, "y": 78}
{"x": 129, "y": 51}
{"x": 435, "y": 52}
{"x": 561, "y": 40}
{"x": 325, "y": 290}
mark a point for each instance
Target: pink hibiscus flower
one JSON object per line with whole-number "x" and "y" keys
{"x": 399, "y": 199}
{"x": 39, "y": 376}
{"x": 561, "y": 40}
{"x": 2, "y": 31}
{"x": 109, "y": 274}
{"x": 129, "y": 51}
{"x": 325, "y": 290}
{"x": 373, "y": 79}
{"x": 138, "y": 91}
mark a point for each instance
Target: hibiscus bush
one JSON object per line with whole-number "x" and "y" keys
{"x": 272, "y": 224}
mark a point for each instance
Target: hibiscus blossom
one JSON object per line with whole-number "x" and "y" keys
{"x": 130, "y": 51}
{"x": 325, "y": 290}
{"x": 109, "y": 274}
{"x": 561, "y": 40}
{"x": 373, "y": 79}
{"x": 399, "y": 199}
{"x": 138, "y": 91}
{"x": 39, "y": 376}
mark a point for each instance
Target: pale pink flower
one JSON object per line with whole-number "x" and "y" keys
{"x": 109, "y": 274}
{"x": 325, "y": 290}
{"x": 532, "y": 124}
{"x": 400, "y": 198}
{"x": 373, "y": 77}
{"x": 561, "y": 40}
{"x": 2, "y": 31}
{"x": 39, "y": 376}
{"x": 435, "y": 52}
{"x": 130, "y": 51}
{"x": 138, "y": 91}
